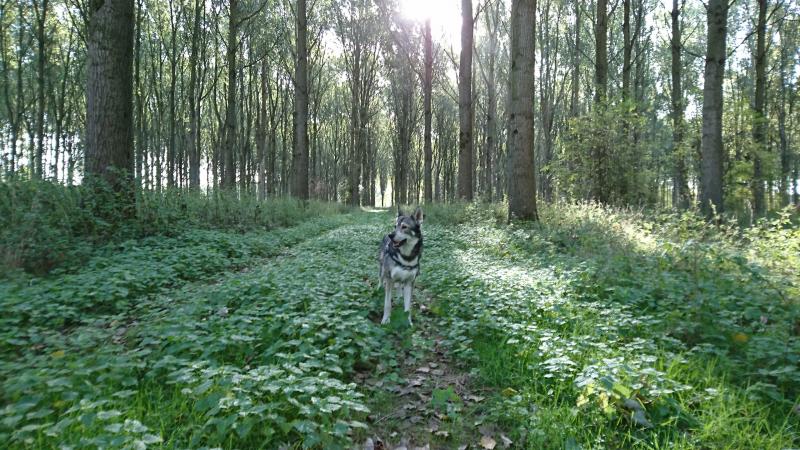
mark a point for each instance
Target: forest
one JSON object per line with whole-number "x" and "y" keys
{"x": 193, "y": 196}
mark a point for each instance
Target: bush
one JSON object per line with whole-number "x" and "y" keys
{"x": 45, "y": 225}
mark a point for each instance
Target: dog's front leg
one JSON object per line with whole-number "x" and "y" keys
{"x": 407, "y": 300}
{"x": 387, "y": 300}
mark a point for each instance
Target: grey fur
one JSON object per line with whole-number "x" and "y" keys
{"x": 399, "y": 259}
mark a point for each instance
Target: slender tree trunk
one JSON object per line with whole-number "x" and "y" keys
{"x": 141, "y": 140}
{"x": 680, "y": 188}
{"x": 601, "y": 53}
{"x": 711, "y": 195}
{"x": 230, "y": 129}
{"x": 627, "y": 50}
{"x": 783, "y": 184}
{"x": 300, "y": 154}
{"x": 192, "y": 146}
{"x": 41, "y": 61}
{"x": 354, "y": 172}
{"x": 759, "y": 119}
{"x": 522, "y": 179}
{"x": 427, "y": 85}
{"x": 465, "y": 138}
{"x": 599, "y": 190}
{"x": 576, "y": 61}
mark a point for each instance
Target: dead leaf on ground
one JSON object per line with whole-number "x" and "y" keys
{"x": 506, "y": 441}
{"x": 488, "y": 443}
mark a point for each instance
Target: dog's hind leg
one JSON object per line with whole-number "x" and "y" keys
{"x": 387, "y": 300}
{"x": 407, "y": 300}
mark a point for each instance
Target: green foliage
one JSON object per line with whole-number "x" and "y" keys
{"x": 620, "y": 329}
{"x": 138, "y": 349}
{"x": 600, "y": 157}
{"x": 597, "y": 327}
{"x": 45, "y": 225}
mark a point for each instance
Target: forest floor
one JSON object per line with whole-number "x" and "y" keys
{"x": 588, "y": 333}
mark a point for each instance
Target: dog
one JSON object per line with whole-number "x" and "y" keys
{"x": 399, "y": 259}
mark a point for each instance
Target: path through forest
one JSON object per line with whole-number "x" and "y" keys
{"x": 272, "y": 340}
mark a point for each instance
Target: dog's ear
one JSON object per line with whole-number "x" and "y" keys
{"x": 419, "y": 216}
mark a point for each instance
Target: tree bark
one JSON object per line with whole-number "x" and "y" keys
{"x": 601, "y": 53}
{"x": 427, "y": 86}
{"x": 109, "y": 93}
{"x": 300, "y": 153}
{"x": 229, "y": 129}
{"x": 711, "y": 194}
{"x": 193, "y": 146}
{"x": 627, "y": 50}
{"x": 41, "y": 61}
{"x": 522, "y": 179}
{"x": 680, "y": 189}
{"x": 465, "y": 138}
{"x": 759, "y": 119}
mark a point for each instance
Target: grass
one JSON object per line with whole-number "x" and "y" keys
{"x": 597, "y": 328}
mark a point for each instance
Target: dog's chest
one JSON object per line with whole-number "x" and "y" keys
{"x": 402, "y": 275}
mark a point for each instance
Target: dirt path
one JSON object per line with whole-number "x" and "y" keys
{"x": 426, "y": 400}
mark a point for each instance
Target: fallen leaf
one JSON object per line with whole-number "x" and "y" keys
{"x": 475, "y": 398}
{"x": 423, "y": 369}
{"x": 640, "y": 419}
{"x": 506, "y": 441}
{"x": 488, "y": 443}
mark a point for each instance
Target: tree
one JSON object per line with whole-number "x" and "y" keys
{"x": 465, "y": 107}
{"x": 522, "y": 177}
{"x": 228, "y": 180}
{"x": 427, "y": 87}
{"x": 300, "y": 153}
{"x": 759, "y": 121}
{"x": 109, "y": 92}
{"x": 680, "y": 190}
{"x": 711, "y": 194}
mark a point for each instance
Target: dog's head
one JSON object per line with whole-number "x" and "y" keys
{"x": 408, "y": 229}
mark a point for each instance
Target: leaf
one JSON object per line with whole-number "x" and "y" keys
{"x": 640, "y": 419}
{"x": 488, "y": 443}
{"x": 506, "y": 441}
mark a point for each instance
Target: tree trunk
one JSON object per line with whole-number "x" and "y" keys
{"x": 427, "y": 86}
{"x": 300, "y": 154}
{"x": 759, "y": 119}
{"x": 109, "y": 93}
{"x": 680, "y": 188}
{"x": 465, "y": 141}
{"x": 41, "y": 61}
{"x": 193, "y": 146}
{"x": 627, "y": 50}
{"x": 601, "y": 53}
{"x": 229, "y": 130}
{"x": 711, "y": 195}
{"x": 576, "y": 69}
{"x": 522, "y": 179}
{"x": 783, "y": 184}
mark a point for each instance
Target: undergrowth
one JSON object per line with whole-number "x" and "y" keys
{"x": 596, "y": 328}
{"x": 617, "y": 329}
{"x": 46, "y": 226}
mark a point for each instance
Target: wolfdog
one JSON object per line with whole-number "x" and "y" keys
{"x": 399, "y": 258}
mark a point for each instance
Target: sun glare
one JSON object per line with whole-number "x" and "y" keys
{"x": 445, "y": 18}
